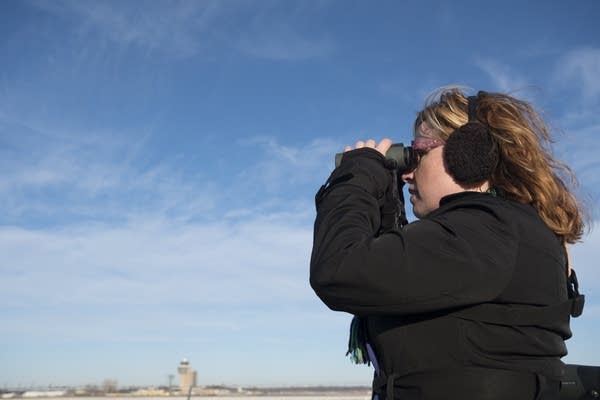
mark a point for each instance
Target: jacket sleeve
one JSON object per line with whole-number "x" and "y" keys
{"x": 457, "y": 258}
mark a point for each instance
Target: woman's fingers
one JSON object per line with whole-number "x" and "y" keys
{"x": 381, "y": 147}
{"x": 384, "y": 146}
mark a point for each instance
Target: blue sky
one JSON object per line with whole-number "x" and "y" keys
{"x": 158, "y": 162}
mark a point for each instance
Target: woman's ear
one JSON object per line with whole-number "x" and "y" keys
{"x": 471, "y": 154}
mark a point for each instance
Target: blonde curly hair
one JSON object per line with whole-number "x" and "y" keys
{"x": 526, "y": 172}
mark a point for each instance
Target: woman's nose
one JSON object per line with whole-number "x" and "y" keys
{"x": 408, "y": 176}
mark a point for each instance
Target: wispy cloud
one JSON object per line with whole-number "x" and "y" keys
{"x": 109, "y": 274}
{"x": 273, "y": 182}
{"x": 95, "y": 175}
{"x": 292, "y": 164}
{"x": 182, "y": 29}
{"x": 158, "y": 250}
{"x": 503, "y": 77}
{"x": 280, "y": 42}
{"x": 149, "y": 263}
{"x": 579, "y": 147}
{"x": 581, "y": 68}
{"x": 112, "y": 176}
{"x": 189, "y": 28}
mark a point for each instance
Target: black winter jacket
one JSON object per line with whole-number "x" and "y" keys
{"x": 414, "y": 284}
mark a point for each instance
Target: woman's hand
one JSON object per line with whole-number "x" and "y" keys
{"x": 381, "y": 147}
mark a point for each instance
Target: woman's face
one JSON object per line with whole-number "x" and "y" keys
{"x": 429, "y": 181}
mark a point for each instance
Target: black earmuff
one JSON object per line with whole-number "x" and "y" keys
{"x": 470, "y": 153}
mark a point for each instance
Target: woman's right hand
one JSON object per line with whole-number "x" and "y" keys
{"x": 381, "y": 147}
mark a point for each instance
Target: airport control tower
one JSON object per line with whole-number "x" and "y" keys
{"x": 187, "y": 376}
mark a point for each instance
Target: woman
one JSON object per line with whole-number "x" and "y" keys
{"x": 473, "y": 300}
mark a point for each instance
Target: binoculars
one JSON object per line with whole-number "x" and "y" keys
{"x": 398, "y": 153}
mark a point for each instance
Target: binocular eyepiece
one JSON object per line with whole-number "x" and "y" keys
{"x": 399, "y": 154}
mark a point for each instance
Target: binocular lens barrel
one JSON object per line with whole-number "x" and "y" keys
{"x": 399, "y": 153}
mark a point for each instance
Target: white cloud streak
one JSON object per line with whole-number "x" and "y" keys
{"x": 280, "y": 42}
{"x": 188, "y": 28}
{"x": 110, "y": 273}
{"x": 289, "y": 165}
{"x": 179, "y": 29}
{"x": 581, "y": 68}
{"x": 152, "y": 264}
{"x": 91, "y": 175}
{"x": 501, "y": 75}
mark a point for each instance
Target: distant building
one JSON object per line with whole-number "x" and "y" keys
{"x": 187, "y": 376}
